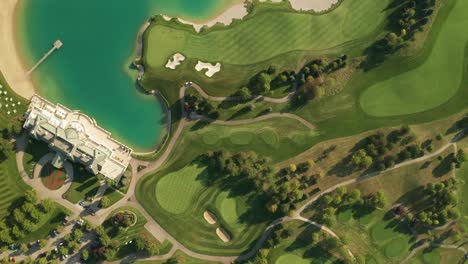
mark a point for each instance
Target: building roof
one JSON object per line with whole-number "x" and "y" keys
{"x": 78, "y": 137}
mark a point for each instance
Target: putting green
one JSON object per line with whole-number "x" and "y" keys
{"x": 229, "y": 208}
{"x": 270, "y": 31}
{"x": 291, "y": 258}
{"x": 380, "y": 232}
{"x": 430, "y": 84}
{"x": 395, "y": 248}
{"x": 176, "y": 191}
{"x": 269, "y": 136}
{"x": 241, "y": 137}
{"x": 210, "y": 138}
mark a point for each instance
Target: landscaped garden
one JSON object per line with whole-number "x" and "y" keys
{"x": 124, "y": 233}
{"x": 52, "y": 178}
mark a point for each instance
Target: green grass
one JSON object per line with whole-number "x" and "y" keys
{"x": 12, "y": 186}
{"x": 269, "y": 136}
{"x": 396, "y": 248}
{"x": 113, "y": 195}
{"x": 291, "y": 258}
{"x": 230, "y": 208}
{"x": 84, "y": 184}
{"x": 176, "y": 191}
{"x": 429, "y": 84}
{"x": 271, "y": 30}
{"x": 188, "y": 260}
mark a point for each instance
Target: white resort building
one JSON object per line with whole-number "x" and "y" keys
{"x": 76, "y": 137}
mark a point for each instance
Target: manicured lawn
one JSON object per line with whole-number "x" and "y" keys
{"x": 265, "y": 137}
{"x": 291, "y": 258}
{"x": 181, "y": 255}
{"x": 179, "y": 207}
{"x": 11, "y": 186}
{"x": 269, "y": 31}
{"x": 84, "y": 185}
{"x": 113, "y": 195}
{"x": 176, "y": 191}
{"x": 431, "y": 82}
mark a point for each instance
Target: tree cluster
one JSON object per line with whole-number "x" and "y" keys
{"x": 377, "y": 147}
{"x": 24, "y": 219}
{"x": 443, "y": 200}
{"x": 310, "y": 79}
{"x": 406, "y": 20}
{"x": 270, "y": 79}
{"x": 244, "y": 165}
{"x": 197, "y": 104}
{"x": 330, "y": 203}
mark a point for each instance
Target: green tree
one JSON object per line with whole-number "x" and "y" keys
{"x": 105, "y": 202}
{"x": 6, "y": 148}
{"x": 77, "y": 234}
{"x": 85, "y": 255}
{"x": 42, "y": 243}
{"x": 23, "y": 248}
{"x": 244, "y": 93}
{"x": 46, "y": 205}
{"x": 30, "y": 196}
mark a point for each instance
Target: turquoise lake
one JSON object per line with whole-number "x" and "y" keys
{"x": 91, "y": 72}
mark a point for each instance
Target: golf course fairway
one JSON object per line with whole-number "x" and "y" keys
{"x": 430, "y": 84}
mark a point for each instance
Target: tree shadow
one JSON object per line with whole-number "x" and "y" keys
{"x": 444, "y": 167}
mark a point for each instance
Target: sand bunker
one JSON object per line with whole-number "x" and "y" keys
{"x": 223, "y": 234}
{"x": 315, "y": 5}
{"x": 175, "y": 61}
{"x": 209, "y": 217}
{"x": 234, "y": 12}
{"x": 211, "y": 69}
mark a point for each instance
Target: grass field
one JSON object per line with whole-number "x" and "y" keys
{"x": 180, "y": 255}
{"x": 113, "y": 195}
{"x": 269, "y": 31}
{"x": 84, "y": 184}
{"x": 429, "y": 84}
{"x": 187, "y": 184}
{"x": 265, "y": 137}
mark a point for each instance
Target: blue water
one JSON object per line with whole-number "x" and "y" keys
{"x": 91, "y": 72}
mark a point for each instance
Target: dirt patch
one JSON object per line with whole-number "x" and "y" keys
{"x": 209, "y": 217}
{"x": 223, "y": 234}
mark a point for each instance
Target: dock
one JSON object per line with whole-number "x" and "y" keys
{"x": 57, "y": 45}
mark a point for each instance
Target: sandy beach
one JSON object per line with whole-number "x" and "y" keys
{"x": 10, "y": 61}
